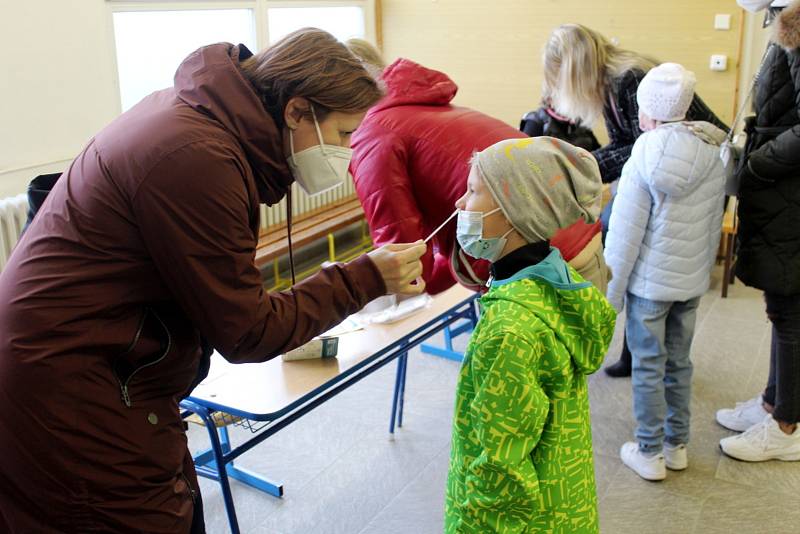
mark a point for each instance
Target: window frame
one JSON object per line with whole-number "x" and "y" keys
{"x": 260, "y": 9}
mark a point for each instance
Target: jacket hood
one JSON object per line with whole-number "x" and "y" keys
{"x": 584, "y": 322}
{"x": 209, "y": 80}
{"x": 676, "y": 157}
{"x": 409, "y": 83}
{"x": 787, "y": 26}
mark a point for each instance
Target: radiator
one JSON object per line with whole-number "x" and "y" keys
{"x": 301, "y": 203}
{"x": 13, "y": 214}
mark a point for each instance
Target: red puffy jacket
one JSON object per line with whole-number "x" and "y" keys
{"x": 410, "y": 164}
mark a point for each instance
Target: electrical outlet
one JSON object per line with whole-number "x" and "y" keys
{"x": 719, "y": 62}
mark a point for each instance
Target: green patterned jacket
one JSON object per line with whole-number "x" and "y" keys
{"x": 521, "y": 458}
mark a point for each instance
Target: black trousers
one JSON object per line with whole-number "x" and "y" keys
{"x": 783, "y": 385}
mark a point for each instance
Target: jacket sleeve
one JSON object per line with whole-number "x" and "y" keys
{"x": 623, "y": 128}
{"x": 510, "y": 410}
{"x": 193, "y": 213}
{"x": 627, "y": 226}
{"x": 385, "y": 188}
{"x": 780, "y": 157}
{"x": 532, "y": 124}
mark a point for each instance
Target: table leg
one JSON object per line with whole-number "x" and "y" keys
{"x": 396, "y": 394}
{"x": 221, "y": 474}
{"x": 726, "y": 274}
{"x": 404, "y": 363}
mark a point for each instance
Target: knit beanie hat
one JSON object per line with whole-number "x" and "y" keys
{"x": 666, "y": 92}
{"x": 541, "y": 184}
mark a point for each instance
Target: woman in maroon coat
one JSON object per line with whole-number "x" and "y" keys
{"x": 145, "y": 247}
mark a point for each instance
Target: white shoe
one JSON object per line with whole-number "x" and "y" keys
{"x": 649, "y": 467}
{"x": 745, "y": 415}
{"x": 763, "y": 441}
{"x": 676, "y": 457}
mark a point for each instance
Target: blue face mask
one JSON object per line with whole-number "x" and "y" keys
{"x": 469, "y": 232}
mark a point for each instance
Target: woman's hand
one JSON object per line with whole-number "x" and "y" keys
{"x": 400, "y": 266}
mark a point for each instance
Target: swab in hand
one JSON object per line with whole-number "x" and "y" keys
{"x": 440, "y": 226}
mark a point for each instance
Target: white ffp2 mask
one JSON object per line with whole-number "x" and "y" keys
{"x": 319, "y": 168}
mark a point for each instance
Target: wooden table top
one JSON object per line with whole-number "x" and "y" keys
{"x": 267, "y": 389}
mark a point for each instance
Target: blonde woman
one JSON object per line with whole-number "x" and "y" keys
{"x": 586, "y": 77}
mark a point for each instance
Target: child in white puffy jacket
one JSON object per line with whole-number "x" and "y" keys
{"x": 662, "y": 240}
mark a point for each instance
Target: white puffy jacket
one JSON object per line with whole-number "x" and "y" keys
{"x": 667, "y": 216}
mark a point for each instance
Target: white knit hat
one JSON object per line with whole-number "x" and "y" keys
{"x": 666, "y": 92}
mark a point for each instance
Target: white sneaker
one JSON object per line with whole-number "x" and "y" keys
{"x": 649, "y": 467}
{"x": 763, "y": 441}
{"x": 743, "y": 416}
{"x": 675, "y": 457}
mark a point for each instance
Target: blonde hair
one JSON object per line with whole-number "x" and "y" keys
{"x": 312, "y": 64}
{"x": 366, "y": 52}
{"x": 579, "y": 65}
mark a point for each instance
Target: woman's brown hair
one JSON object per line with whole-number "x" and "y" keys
{"x": 312, "y": 64}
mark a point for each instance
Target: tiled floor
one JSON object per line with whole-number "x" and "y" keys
{"x": 343, "y": 473}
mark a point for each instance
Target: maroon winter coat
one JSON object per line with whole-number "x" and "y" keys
{"x": 146, "y": 243}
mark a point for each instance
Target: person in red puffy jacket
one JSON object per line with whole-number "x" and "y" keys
{"x": 410, "y": 164}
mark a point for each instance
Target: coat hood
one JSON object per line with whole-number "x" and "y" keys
{"x": 409, "y": 83}
{"x": 578, "y": 314}
{"x": 677, "y": 156}
{"x": 787, "y": 27}
{"x": 209, "y": 80}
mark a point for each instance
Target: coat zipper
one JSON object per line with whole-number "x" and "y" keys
{"x": 124, "y": 385}
{"x": 192, "y": 494}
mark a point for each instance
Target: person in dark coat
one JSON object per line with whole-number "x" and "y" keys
{"x": 769, "y": 246}
{"x": 607, "y": 88}
{"x": 146, "y": 245}
{"x": 545, "y": 121}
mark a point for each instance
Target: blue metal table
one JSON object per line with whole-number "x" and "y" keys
{"x": 266, "y": 397}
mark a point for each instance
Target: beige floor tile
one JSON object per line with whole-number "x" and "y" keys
{"x": 732, "y": 508}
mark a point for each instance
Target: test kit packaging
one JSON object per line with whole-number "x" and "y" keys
{"x": 322, "y": 347}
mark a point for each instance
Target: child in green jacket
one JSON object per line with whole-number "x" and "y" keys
{"x": 521, "y": 457}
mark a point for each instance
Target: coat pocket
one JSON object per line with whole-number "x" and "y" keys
{"x": 128, "y": 364}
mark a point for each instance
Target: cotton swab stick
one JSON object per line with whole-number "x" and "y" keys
{"x": 440, "y": 227}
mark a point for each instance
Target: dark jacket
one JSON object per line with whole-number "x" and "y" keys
{"x": 144, "y": 244}
{"x": 622, "y": 123}
{"x": 545, "y": 121}
{"x": 769, "y": 194}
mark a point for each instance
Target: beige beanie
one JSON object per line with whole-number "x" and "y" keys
{"x": 541, "y": 184}
{"x": 666, "y": 91}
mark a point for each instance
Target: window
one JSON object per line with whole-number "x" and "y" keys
{"x": 152, "y": 37}
{"x": 151, "y": 44}
{"x": 343, "y": 22}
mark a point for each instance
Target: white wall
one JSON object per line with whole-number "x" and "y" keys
{"x": 57, "y": 86}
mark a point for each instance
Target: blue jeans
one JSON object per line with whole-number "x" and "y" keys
{"x": 660, "y": 335}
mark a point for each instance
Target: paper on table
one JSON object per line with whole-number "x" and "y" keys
{"x": 350, "y": 324}
{"x": 398, "y": 311}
